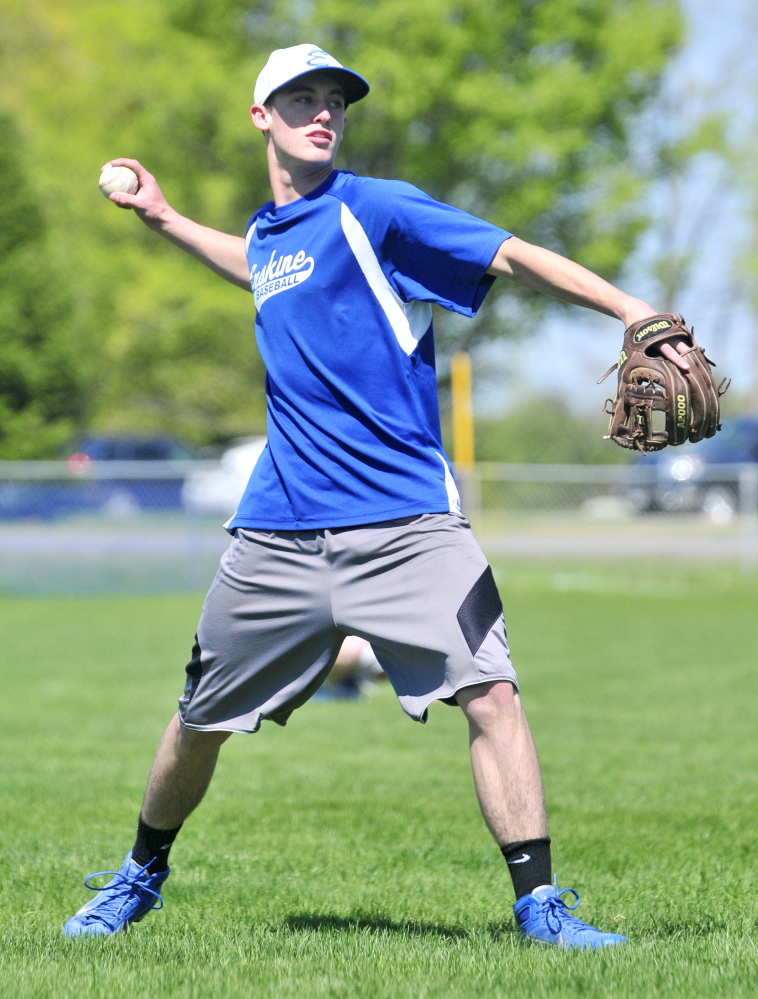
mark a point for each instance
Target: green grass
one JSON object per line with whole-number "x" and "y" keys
{"x": 344, "y": 856}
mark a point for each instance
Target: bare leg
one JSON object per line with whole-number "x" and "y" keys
{"x": 504, "y": 760}
{"x": 180, "y": 775}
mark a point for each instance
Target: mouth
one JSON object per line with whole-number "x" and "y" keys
{"x": 320, "y": 135}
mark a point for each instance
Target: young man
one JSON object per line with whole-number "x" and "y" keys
{"x": 350, "y": 523}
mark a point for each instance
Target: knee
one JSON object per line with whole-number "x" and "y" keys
{"x": 488, "y": 705}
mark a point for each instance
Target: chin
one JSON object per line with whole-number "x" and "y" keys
{"x": 318, "y": 157}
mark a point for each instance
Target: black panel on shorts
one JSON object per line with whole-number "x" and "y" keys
{"x": 194, "y": 670}
{"x": 479, "y": 611}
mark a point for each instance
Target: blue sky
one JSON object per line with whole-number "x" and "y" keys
{"x": 716, "y": 70}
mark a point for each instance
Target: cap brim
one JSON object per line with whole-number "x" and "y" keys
{"x": 353, "y": 84}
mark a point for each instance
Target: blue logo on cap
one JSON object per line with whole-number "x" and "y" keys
{"x": 317, "y": 57}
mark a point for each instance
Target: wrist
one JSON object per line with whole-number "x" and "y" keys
{"x": 163, "y": 219}
{"x": 633, "y": 310}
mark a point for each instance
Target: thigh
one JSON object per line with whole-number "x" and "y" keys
{"x": 266, "y": 638}
{"x": 421, "y": 591}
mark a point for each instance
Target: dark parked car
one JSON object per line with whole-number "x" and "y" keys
{"x": 685, "y": 479}
{"x": 114, "y": 475}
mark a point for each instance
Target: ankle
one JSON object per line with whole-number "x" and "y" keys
{"x": 152, "y": 846}
{"x": 529, "y": 864}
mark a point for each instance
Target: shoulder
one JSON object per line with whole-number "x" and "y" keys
{"x": 256, "y": 215}
{"x": 375, "y": 192}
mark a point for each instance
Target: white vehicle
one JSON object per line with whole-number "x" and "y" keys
{"x": 217, "y": 490}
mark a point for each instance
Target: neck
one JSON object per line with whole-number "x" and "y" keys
{"x": 291, "y": 181}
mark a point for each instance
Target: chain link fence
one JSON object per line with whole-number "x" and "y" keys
{"x": 105, "y": 526}
{"x": 679, "y": 510}
{"x": 96, "y": 527}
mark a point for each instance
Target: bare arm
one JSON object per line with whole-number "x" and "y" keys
{"x": 222, "y": 253}
{"x": 542, "y": 270}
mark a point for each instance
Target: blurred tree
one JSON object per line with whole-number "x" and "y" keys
{"x": 544, "y": 430}
{"x": 43, "y": 370}
{"x": 174, "y": 346}
{"x": 684, "y": 221}
{"x": 517, "y": 110}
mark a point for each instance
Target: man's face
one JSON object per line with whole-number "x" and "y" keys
{"x": 304, "y": 119}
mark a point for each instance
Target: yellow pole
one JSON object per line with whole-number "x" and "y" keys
{"x": 463, "y": 411}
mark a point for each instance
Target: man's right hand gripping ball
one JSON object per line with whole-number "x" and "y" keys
{"x": 650, "y": 383}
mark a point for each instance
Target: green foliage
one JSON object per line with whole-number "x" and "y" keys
{"x": 42, "y": 369}
{"x": 184, "y": 345}
{"x": 544, "y": 430}
{"x": 517, "y": 111}
{"x": 172, "y": 346}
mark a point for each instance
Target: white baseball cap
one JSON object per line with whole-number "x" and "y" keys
{"x": 285, "y": 65}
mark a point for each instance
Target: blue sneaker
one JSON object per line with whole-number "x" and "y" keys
{"x": 127, "y": 898}
{"x": 544, "y": 916}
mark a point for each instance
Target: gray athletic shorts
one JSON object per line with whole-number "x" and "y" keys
{"x": 419, "y": 589}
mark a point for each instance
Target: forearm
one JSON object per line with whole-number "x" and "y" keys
{"x": 542, "y": 270}
{"x": 222, "y": 253}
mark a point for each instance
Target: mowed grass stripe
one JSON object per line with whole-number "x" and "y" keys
{"x": 345, "y": 856}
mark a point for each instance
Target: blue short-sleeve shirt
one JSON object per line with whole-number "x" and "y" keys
{"x": 343, "y": 281}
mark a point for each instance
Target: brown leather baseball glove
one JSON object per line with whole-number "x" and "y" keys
{"x": 656, "y": 402}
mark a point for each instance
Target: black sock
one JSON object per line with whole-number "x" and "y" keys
{"x": 529, "y": 864}
{"x": 152, "y": 846}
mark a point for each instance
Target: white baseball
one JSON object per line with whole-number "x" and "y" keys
{"x": 118, "y": 178}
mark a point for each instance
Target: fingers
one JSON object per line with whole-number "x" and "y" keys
{"x": 132, "y": 164}
{"x": 673, "y": 354}
{"x": 148, "y": 202}
{"x": 122, "y": 199}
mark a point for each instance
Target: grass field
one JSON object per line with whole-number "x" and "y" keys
{"x": 344, "y": 856}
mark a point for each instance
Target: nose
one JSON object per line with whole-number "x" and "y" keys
{"x": 323, "y": 117}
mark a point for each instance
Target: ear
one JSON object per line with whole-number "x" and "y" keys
{"x": 261, "y": 117}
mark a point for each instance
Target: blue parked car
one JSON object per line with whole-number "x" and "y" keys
{"x": 129, "y": 449}
{"x": 684, "y": 478}
{"x": 117, "y": 476}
